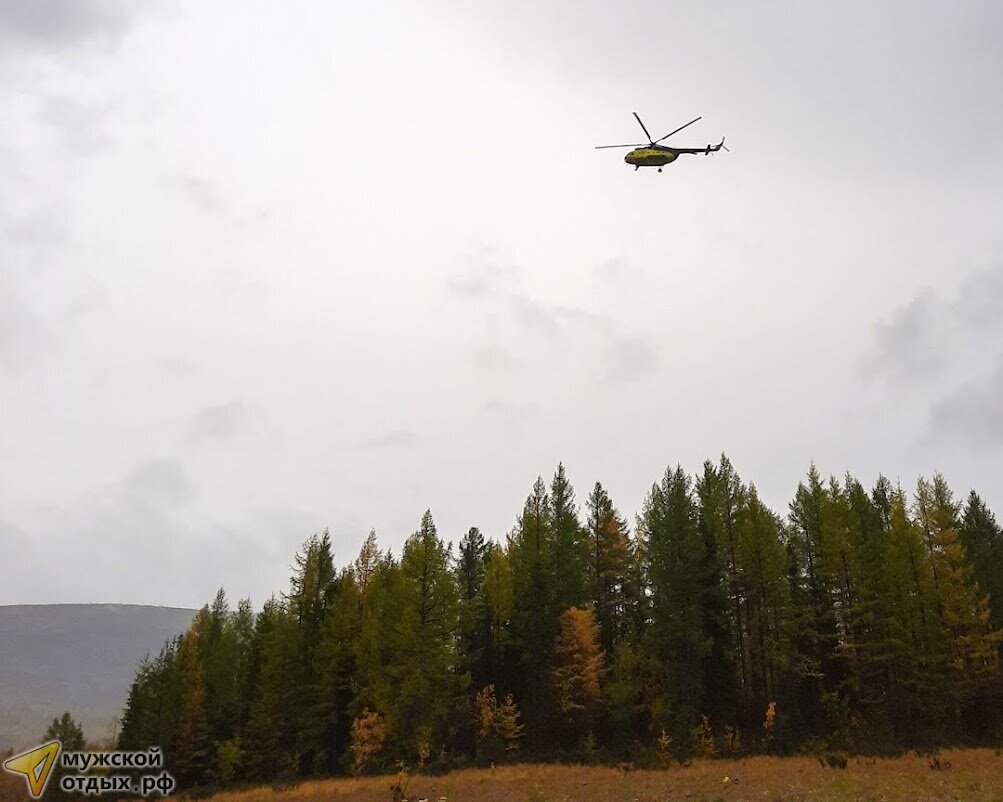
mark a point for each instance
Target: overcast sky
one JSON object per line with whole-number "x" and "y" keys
{"x": 269, "y": 268}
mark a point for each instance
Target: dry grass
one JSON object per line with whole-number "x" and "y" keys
{"x": 12, "y": 788}
{"x": 975, "y": 775}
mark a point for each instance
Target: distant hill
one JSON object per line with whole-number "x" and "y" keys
{"x": 76, "y": 657}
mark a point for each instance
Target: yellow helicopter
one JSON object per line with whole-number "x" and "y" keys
{"x": 655, "y": 155}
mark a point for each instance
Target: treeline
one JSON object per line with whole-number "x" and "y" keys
{"x": 863, "y": 620}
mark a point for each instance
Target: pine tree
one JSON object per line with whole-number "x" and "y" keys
{"x": 474, "y": 623}
{"x": 761, "y": 564}
{"x": 534, "y": 619}
{"x": 915, "y": 653}
{"x": 151, "y": 714}
{"x": 71, "y": 738}
{"x": 430, "y": 686}
{"x": 578, "y": 670}
{"x": 568, "y": 544}
{"x": 982, "y": 540}
{"x": 962, "y": 609}
{"x": 720, "y": 492}
{"x": 310, "y": 595}
{"x": 365, "y": 564}
{"x": 188, "y": 754}
{"x": 385, "y": 651}
{"x": 269, "y": 738}
{"x": 816, "y": 538}
{"x": 609, "y": 567}
{"x": 219, "y": 655}
{"x": 336, "y": 670}
{"x": 676, "y": 565}
{"x": 499, "y": 606}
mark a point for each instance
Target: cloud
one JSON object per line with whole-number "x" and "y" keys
{"x": 492, "y": 356}
{"x": 399, "y": 438}
{"x": 202, "y": 193}
{"x": 219, "y": 422}
{"x": 616, "y": 270}
{"x": 82, "y": 125}
{"x": 507, "y": 413}
{"x": 910, "y": 344}
{"x": 70, "y": 22}
{"x": 40, "y": 229}
{"x": 933, "y": 336}
{"x": 552, "y": 319}
{"x": 483, "y": 275}
{"x": 158, "y": 482}
{"x": 946, "y": 353}
{"x": 973, "y": 411}
{"x": 24, "y": 337}
{"x": 632, "y": 359}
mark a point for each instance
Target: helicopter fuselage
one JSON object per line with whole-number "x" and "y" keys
{"x": 648, "y": 156}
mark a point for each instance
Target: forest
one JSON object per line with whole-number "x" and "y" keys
{"x": 860, "y": 622}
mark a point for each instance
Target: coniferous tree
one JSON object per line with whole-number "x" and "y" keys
{"x": 815, "y": 544}
{"x": 500, "y": 660}
{"x": 761, "y": 563}
{"x": 534, "y": 619}
{"x": 721, "y": 497}
{"x": 719, "y": 492}
{"x": 474, "y": 623}
{"x": 676, "y": 564}
{"x": 568, "y": 544}
{"x": 430, "y": 689}
{"x": 269, "y": 738}
{"x": 71, "y": 738}
{"x": 971, "y": 644}
{"x": 982, "y": 539}
{"x": 609, "y": 567}
{"x": 861, "y": 619}
{"x": 578, "y": 670}
{"x": 336, "y": 671}
{"x": 188, "y": 752}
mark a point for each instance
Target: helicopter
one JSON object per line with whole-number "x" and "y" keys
{"x": 655, "y": 155}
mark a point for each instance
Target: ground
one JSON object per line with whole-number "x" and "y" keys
{"x": 974, "y": 775}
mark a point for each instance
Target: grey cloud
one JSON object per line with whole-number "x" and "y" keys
{"x": 219, "y": 422}
{"x": 496, "y": 357}
{"x": 947, "y": 352}
{"x": 908, "y": 345}
{"x": 38, "y": 230}
{"x": 202, "y": 193}
{"x": 552, "y": 319}
{"x": 55, "y": 24}
{"x": 974, "y": 411}
{"x": 82, "y": 125}
{"x": 399, "y": 438}
{"x": 932, "y": 334}
{"x": 483, "y": 275}
{"x": 508, "y": 413}
{"x": 23, "y": 335}
{"x": 159, "y": 482}
{"x": 616, "y": 270}
{"x": 632, "y": 359}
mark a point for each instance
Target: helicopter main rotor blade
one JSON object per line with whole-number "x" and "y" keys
{"x": 642, "y": 127}
{"x": 600, "y": 147}
{"x": 680, "y": 128}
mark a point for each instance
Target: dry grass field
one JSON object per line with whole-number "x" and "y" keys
{"x": 974, "y": 775}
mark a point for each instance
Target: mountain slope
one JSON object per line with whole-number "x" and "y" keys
{"x": 76, "y": 657}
